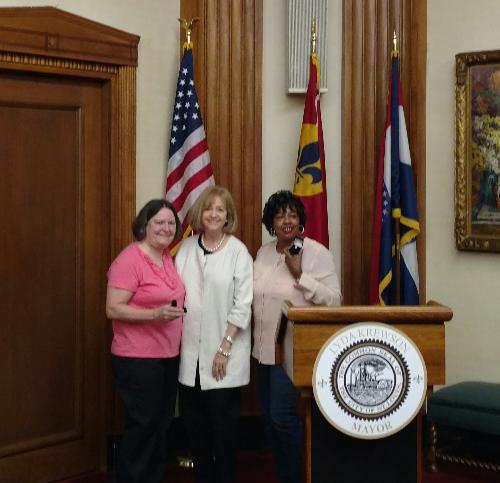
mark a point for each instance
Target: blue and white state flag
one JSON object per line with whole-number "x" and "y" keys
{"x": 396, "y": 200}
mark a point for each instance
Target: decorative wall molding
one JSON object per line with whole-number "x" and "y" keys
{"x": 56, "y": 33}
{"x": 56, "y": 63}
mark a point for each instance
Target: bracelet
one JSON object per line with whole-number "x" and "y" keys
{"x": 229, "y": 339}
{"x": 222, "y": 352}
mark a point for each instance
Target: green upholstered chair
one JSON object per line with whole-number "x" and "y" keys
{"x": 469, "y": 410}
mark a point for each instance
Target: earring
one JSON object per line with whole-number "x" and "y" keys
{"x": 301, "y": 229}
{"x": 271, "y": 231}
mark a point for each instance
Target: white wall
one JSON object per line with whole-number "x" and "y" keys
{"x": 155, "y": 21}
{"x": 468, "y": 282}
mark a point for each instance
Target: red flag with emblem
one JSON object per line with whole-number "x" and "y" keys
{"x": 310, "y": 174}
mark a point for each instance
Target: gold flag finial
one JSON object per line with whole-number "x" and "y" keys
{"x": 187, "y": 26}
{"x": 313, "y": 36}
{"x": 395, "y": 51}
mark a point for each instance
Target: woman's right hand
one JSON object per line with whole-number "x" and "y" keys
{"x": 167, "y": 312}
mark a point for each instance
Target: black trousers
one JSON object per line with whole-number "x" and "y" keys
{"x": 148, "y": 389}
{"x": 211, "y": 419}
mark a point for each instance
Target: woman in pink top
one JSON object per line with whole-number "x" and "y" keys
{"x": 144, "y": 300}
{"x": 305, "y": 275}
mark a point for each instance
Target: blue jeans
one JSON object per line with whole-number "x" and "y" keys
{"x": 279, "y": 400}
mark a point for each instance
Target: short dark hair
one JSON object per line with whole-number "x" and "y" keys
{"x": 150, "y": 209}
{"x": 280, "y": 201}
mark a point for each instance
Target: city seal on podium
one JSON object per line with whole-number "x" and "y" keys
{"x": 369, "y": 380}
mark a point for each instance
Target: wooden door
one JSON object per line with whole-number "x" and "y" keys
{"x": 54, "y": 199}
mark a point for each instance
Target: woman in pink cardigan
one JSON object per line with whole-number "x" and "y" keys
{"x": 288, "y": 268}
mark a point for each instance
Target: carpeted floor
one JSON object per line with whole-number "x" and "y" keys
{"x": 258, "y": 467}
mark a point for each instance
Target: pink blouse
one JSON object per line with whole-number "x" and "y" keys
{"x": 273, "y": 284}
{"x": 151, "y": 286}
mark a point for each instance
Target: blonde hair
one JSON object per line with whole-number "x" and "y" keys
{"x": 203, "y": 203}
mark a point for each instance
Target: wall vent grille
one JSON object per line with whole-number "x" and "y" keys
{"x": 300, "y": 16}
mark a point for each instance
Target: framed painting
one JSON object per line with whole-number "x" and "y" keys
{"x": 477, "y": 151}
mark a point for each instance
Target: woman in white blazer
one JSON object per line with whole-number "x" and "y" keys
{"x": 216, "y": 269}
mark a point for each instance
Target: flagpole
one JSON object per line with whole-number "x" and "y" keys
{"x": 397, "y": 226}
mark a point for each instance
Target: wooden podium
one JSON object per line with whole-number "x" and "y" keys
{"x": 302, "y": 333}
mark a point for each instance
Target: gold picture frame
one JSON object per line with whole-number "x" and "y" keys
{"x": 477, "y": 151}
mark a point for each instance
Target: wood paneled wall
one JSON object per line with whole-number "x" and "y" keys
{"x": 368, "y": 27}
{"x": 228, "y": 76}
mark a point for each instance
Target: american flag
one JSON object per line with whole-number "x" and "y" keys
{"x": 189, "y": 169}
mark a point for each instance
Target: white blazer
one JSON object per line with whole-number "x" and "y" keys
{"x": 218, "y": 290}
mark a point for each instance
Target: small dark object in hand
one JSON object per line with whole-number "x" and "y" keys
{"x": 296, "y": 246}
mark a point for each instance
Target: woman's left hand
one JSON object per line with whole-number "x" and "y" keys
{"x": 219, "y": 366}
{"x": 294, "y": 263}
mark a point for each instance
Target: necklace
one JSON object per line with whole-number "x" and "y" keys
{"x": 216, "y": 247}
